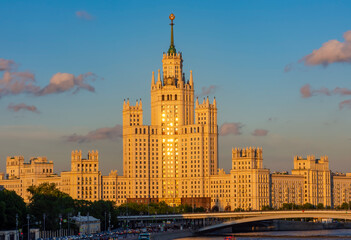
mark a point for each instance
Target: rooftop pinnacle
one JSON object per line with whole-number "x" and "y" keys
{"x": 172, "y": 49}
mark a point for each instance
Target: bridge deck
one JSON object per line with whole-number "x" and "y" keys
{"x": 280, "y": 215}
{"x": 228, "y": 215}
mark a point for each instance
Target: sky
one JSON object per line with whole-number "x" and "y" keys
{"x": 280, "y": 72}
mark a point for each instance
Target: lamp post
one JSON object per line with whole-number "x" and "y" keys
{"x": 109, "y": 221}
{"x": 44, "y": 216}
{"x": 105, "y": 222}
{"x": 16, "y": 226}
{"x": 88, "y": 223}
{"x": 68, "y": 216}
{"x": 127, "y": 215}
{"x": 28, "y": 226}
{"x": 60, "y": 216}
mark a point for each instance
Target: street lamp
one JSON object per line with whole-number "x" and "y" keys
{"x": 60, "y": 216}
{"x": 28, "y": 226}
{"x": 88, "y": 223}
{"x": 17, "y": 226}
{"x": 44, "y": 216}
{"x": 109, "y": 221}
{"x": 105, "y": 222}
{"x": 69, "y": 229}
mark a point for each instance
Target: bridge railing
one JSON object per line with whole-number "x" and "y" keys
{"x": 224, "y": 214}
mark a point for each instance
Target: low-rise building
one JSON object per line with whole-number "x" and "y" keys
{"x": 87, "y": 224}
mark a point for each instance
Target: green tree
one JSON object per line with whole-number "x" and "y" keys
{"x": 11, "y": 205}
{"x": 185, "y": 208}
{"x": 308, "y": 206}
{"x": 267, "y": 208}
{"x": 47, "y": 199}
{"x": 320, "y": 206}
{"x": 239, "y": 210}
{"x": 98, "y": 209}
{"x": 344, "y": 206}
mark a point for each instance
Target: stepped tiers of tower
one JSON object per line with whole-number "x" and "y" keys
{"x": 175, "y": 159}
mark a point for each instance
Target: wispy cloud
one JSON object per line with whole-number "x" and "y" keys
{"x": 84, "y": 15}
{"x": 231, "y": 129}
{"x": 345, "y": 104}
{"x": 207, "y": 91}
{"x": 22, "y": 106}
{"x": 109, "y": 133}
{"x": 342, "y": 91}
{"x": 259, "y": 132}
{"x": 307, "y": 92}
{"x": 62, "y": 82}
{"x": 7, "y": 65}
{"x": 332, "y": 51}
{"x": 13, "y": 82}
{"x": 288, "y": 67}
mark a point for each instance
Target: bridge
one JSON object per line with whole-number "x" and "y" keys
{"x": 209, "y": 222}
{"x": 272, "y": 215}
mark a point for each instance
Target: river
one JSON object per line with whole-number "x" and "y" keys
{"x": 337, "y": 234}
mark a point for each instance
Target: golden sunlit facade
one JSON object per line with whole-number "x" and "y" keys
{"x": 20, "y": 175}
{"x": 341, "y": 188}
{"x": 286, "y": 188}
{"x": 175, "y": 159}
{"x": 84, "y": 179}
{"x": 317, "y": 179}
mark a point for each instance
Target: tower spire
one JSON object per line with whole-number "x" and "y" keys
{"x": 172, "y": 49}
{"x": 153, "y": 78}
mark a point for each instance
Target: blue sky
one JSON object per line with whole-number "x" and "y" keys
{"x": 239, "y": 47}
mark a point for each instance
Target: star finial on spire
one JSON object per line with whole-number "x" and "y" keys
{"x": 172, "y": 49}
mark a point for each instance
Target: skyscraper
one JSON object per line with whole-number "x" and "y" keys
{"x": 173, "y": 158}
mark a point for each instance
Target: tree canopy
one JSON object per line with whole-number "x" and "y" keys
{"x": 11, "y": 205}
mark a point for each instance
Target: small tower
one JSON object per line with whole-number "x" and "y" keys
{"x": 133, "y": 115}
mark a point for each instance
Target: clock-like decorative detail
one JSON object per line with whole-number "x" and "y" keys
{"x": 170, "y": 81}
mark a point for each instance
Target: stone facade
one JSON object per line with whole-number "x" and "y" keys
{"x": 175, "y": 159}
{"x": 286, "y": 188}
{"x": 317, "y": 179}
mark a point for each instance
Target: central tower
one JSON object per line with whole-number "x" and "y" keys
{"x": 173, "y": 97}
{"x": 172, "y": 159}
